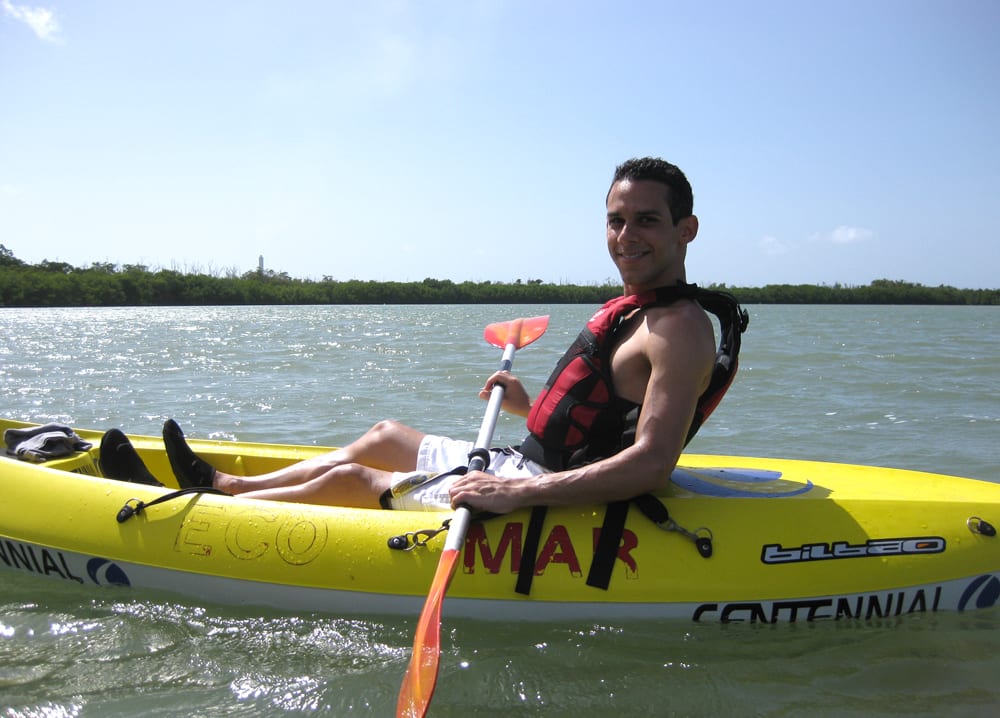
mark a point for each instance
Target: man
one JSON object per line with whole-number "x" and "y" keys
{"x": 659, "y": 370}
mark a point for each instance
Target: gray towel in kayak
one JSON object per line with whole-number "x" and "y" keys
{"x": 41, "y": 443}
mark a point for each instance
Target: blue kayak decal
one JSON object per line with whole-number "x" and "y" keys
{"x": 104, "y": 573}
{"x": 738, "y": 483}
{"x": 983, "y": 592}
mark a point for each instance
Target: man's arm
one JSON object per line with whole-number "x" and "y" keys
{"x": 679, "y": 347}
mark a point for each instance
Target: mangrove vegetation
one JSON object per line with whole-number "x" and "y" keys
{"x": 57, "y": 284}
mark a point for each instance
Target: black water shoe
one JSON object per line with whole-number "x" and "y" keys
{"x": 189, "y": 469}
{"x": 119, "y": 460}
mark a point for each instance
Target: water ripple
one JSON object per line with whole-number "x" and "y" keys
{"x": 914, "y": 387}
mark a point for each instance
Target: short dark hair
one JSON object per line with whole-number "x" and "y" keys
{"x": 680, "y": 198}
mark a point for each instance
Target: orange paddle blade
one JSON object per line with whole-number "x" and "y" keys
{"x": 421, "y": 675}
{"x": 519, "y": 332}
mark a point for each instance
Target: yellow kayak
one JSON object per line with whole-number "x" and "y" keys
{"x": 747, "y": 540}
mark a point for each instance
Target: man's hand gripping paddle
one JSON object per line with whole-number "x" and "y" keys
{"x": 421, "y": 675}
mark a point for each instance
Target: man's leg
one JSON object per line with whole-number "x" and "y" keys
{"x": 388, "y": 446}
{"x": 342, "y": 485}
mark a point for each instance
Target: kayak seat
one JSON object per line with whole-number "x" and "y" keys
{"x": 80, "y": 462}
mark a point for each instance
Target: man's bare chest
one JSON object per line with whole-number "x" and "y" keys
{"x": 630, "y": 367}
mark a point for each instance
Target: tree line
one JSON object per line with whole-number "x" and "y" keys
{"x": 57, "y": 284}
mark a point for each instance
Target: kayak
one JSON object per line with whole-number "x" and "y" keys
{"x": 741, "y": 540}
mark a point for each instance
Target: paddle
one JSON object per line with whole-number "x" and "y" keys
{"x": 421, "y": 675}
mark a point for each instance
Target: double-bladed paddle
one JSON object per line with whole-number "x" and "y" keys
{"x": 421, "y": 675}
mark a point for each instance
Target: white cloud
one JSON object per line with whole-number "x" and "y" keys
{"x": 845, "y": 235}
{"x": 41, "y": 20}
{"x": 773, "y": 246}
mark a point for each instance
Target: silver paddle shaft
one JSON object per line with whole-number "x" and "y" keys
{"x": 460, "y": 521}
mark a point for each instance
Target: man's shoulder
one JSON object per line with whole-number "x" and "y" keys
{"x": 682, "y": 326}
{"x": 682, "y": 314}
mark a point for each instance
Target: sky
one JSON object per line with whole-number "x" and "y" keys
{"x": 827, "y": 142}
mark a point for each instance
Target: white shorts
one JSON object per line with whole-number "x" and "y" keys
{"x": 426, "y": 488}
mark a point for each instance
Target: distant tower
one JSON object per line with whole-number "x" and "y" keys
{"x": 260, "y": 265}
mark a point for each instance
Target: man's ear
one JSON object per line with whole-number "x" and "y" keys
{"x": 688, "y": 228}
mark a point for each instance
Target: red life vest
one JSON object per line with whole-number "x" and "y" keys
{"x": 577, "y": 418}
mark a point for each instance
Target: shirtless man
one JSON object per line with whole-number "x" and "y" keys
{"x": 661, "y": 364}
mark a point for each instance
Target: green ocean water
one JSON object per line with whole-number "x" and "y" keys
{"x": 912, "y": 387}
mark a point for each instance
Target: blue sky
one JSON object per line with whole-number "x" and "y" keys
{"x": 827, "y": 142}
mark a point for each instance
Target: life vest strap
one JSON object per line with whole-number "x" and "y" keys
{"x": 612, "y": 531}
{"x": 608, "y": 542}
{"x": 529, "y": 550}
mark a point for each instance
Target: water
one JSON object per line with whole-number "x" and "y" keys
{"x": 914, "y": 387}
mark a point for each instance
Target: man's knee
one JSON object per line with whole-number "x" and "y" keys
{"x": 391, "y": 433}
{"x": 389, "y": 446}
{"x": 387, "y": 429}
{"x": 358, "y": 479}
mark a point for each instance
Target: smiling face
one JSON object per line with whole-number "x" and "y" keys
{"x": 644, "y": 243}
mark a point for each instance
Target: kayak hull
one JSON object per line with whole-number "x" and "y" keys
{"x": 792, "y": 541}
